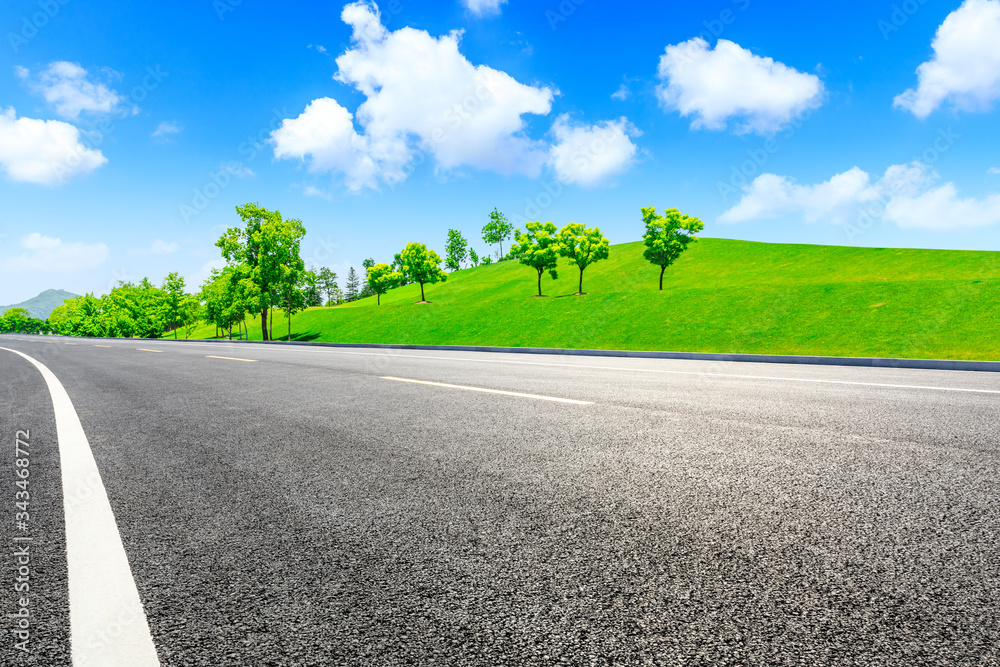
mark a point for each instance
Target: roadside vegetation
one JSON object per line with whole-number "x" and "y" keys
{"x": 666, "y": 292}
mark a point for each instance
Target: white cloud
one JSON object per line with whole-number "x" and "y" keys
{"x": 965, "y": 69}
{"x": 50, "y": 255}
{"x": 484, "y": 7}
{"x": 158, "y": 247}
{"x": 166, "y": 128}
{"x": 46, "y": 152}
{"x": 318, "y": 47}
{"x": 588, "y": 155}
{"x": 904, "y": 196}
{"x": 622, "y": 93}
{"x": 66, "y": 87}
{"x": 730, "y": 83}
{"x": 312, "y": 191}
{"x": 423, "y": 98}
{"x": 993, "y": 170}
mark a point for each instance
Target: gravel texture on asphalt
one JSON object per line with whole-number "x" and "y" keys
{"x": 301, "y": 510}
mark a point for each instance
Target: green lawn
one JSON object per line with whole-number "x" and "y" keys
{"x": 722, "y": 296}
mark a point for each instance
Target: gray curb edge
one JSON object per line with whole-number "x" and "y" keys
{"x": 871, "y": 362}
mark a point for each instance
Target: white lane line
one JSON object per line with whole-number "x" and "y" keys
{"x": 107, "y": 623}
{"x": 670, "y": 372}
{"x": 491, "y": 391}
{"x": 102, "y": 346}
{"x": 212, "y": 356}
{"x": 142, "y": 349}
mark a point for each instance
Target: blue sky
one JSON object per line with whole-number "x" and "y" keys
{"x": 129, "y": 132}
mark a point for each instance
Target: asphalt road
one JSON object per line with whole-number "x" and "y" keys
{"x": 301, "y": 509}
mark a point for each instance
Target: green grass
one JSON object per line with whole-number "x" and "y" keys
{"x": 722, "y": 296}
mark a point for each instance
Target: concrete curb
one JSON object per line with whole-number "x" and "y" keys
{"x": 872, "y": 362}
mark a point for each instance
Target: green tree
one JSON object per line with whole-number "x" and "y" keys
{"x": 667, "y": 236}
{"x": 455, "y": 251}
{"x": 473, "y": 257}
{"x": 381, "y": 279}
{"x": 538, "y": 248}
{"x": 173, "y": 286}
{"x": 421, "y": 266}
{"x": 264, "y": 245}
{"x": 497, "y": 230}
{"x": 327, "y": 282}
{"x": 352, "y": 285}
{"x": 582, "y": 246}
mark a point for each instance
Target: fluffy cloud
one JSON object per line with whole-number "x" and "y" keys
{"x": 50, "y": 255}
{"x": 483, "y": 7}
{"x": 424, "y": 98}
{"x": 66, "y": 87}
{"x": 905, "y": 196}
{"x": 46, "y": 152}
{"x": 588, "y": 155}
{"x": 730, "y": 83}
{"x": 965, "y": 69}
{"x": 166, "y": 128}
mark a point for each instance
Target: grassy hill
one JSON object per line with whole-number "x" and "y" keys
{"x": 722, "y": 296}
{"x": 42, "y": 305}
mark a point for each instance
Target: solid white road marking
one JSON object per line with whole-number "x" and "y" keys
{"x": 102, "y": 346}
{"x": 142, "y": 349}
{"x": 107, "y": 623}
{"x": 491, "y": 391}
{"x": 212, "y": 356}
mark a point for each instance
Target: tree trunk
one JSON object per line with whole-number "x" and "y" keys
{"x": 378, "y": 299}
{"x": 270, "y": 323}
{"x": 580, "y": 291}
{"x": 539, "y": 282}
{"x": 263, "y": 324}
{"x": 662, "y": 270}
{"x": 422, "y": 298}
{"x": 289, "y": 311}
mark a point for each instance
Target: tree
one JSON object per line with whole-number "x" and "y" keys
{"x": 497, "y": 230}
{"x": 326, "y": 280}
{"x": 456, "y": 250}
{"x": 421, "y": 265}
{"x": 293, "y": 293}
{"x": 583, "y": 246}
{"x": 368, "y": 263}
{"x": 173, "y": 285}
{"x": 381, "y": 279}
{"x": 264, "y": 245}
{"x": 473, "y": 257}
{"x": 351, "y": 288}
{"x": 538, "y": 248}
{"x": 667, "y": 236}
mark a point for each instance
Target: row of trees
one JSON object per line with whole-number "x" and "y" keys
{"x": 265, "y": 272}
{"x": 20, "y": 321}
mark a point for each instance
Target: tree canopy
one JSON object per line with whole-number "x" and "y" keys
{"x": 497, "y": 230}
{"x": 667, "y": 236}
{"x": 582, "y": 246}
{"x": 268, "y": 246}
{"x": 421, "y": 266}
{"x": 538, "y": 247}
{"x": 381, "y": 278}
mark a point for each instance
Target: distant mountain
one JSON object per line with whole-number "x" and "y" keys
{"x": 42, "y": 305}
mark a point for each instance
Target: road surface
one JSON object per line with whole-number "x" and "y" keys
{"x": 321, "y": 506}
